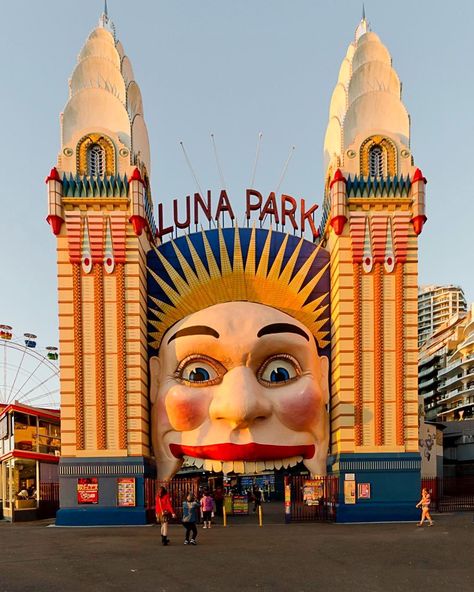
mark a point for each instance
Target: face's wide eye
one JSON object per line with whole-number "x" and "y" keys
{"x": 199, "y": 371}
{"x": 279, "y": 370}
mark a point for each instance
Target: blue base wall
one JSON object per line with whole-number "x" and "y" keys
{"x": 106, "y": 512}
{"x": 395, "y": 484}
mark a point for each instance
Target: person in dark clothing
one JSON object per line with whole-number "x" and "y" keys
{"x": 190, "y": 517}
{"x": 257, "y": 497}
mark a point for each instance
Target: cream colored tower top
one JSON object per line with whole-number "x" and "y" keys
{"x": 365, "y": 101}
{"x": 104, "y": 98}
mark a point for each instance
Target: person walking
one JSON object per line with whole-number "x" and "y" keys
{"x": 425, "y": 507}
{"x": 257, "y": 497}
{"x": 164, "y": 510}
{"x": 190, "y": 517}
{"x": 207, "y": 508}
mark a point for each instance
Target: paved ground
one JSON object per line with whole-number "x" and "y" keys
{"x": 242, "y": 557}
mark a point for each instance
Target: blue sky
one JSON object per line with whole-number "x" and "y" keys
{"x": 234, "y": 69}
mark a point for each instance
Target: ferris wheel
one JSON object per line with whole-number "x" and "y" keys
{"x": 29, "y": 374}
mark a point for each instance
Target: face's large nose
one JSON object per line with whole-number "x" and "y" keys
{"x": 239, "y": 400}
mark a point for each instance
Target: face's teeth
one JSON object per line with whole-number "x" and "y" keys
{"x": 227, "y": 467}
{"x": 216, "y": 466}
{"x": 269, "y": 464}
{"x": 249, "y": 467}
{"x": 259, "y": 466}
{"x": 198, "y": 462}
{"x": 208, "y": 465}
{"x": 278, "y": 464}
{"x": 239, "y": 466}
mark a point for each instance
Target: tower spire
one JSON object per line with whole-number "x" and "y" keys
{"x": 363, "y": 10}
{"x": 105, "y": 22}
{"x": 363, "y": 26}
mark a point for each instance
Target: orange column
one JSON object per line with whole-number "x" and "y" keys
{"x": 378, "y": 354}
{"x": 400, "y": 355}
{"x": 121, "y": 356}
{"x": 100, "y": 355}
{"x": 78, "y": 356}
{"x": 357, "y": 278}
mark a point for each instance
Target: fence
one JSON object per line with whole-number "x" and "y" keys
{"x": 313, "y": 500}
{"x": 451, "y": 494}
{"x": 178, "y": 488}
{"x": 48, "y": 503}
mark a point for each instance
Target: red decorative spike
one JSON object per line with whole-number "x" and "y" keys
{"x": 418, "y": 176}
{"x": 338, "y": 224}
{"x": 136, "y": 176}
{"x": 55, "y": 222}
{"x": 53, "y": 176}
{"x": 338, "y": 176}
{"x": 138, "y": 224}
{"x": 418, "y": 223}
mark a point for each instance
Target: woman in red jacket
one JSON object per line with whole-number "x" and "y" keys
{"x": 164, "y": 510}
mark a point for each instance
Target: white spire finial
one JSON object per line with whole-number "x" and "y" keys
{"x": 105, "y": 22}
{"x": 363, "y": 26}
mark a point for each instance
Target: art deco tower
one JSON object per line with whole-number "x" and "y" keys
{"x": 373, "y": 212}
{"x": 100, "y": 210}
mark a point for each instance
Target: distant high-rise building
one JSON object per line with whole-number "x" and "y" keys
{"x": 457, "y": 378}
{"x": 436, "y": 304}
{"x": 432, "y": 361}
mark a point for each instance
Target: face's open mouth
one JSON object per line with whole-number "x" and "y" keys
{"x": 243, "y": 452}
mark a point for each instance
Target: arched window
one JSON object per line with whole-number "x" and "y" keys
{"x": 96, "y": 160}
{"x": 376, "y": 161}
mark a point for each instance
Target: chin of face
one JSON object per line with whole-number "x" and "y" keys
{"x": 239, "y": 388}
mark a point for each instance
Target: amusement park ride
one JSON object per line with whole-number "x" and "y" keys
{"x": 29, "y": 374}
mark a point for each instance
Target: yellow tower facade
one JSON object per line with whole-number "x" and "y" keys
{"x": 100, "y": 210}
{"x": 373, "y": 213}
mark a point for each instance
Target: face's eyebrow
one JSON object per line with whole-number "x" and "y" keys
{"x": 282, "y": 328}
{"x": 196, "y": 330}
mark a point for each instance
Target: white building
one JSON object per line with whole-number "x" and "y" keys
{"x": 436, "y": 304}
{"x": 456, "y": 385}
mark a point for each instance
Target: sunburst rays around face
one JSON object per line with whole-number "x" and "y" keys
{"x": 238, "y": 264}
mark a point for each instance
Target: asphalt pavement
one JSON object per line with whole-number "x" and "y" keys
{"x": 305, "y": 557}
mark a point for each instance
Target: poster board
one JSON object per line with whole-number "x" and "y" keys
{"x": 349, "y": 492}
{"x": 240, "y": 504}
{"x": 363, "y": 491}
{"x": 88, "y": 490}
{"x": 126, "y": 497}
{"x": 313, "y": 492}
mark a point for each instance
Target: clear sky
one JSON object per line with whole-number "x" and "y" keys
{"x": 233, "y": 68}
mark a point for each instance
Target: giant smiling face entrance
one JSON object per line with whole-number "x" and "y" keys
{"x": 239, "y": 382}
{"x": 211, "y": 351}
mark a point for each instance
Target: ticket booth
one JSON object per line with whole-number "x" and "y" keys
{"x": 29, "y": 455}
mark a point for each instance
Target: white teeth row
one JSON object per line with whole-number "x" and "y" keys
{"x": 241, "y": 466}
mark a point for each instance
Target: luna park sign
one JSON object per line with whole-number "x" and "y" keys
{"x": 284, "y": 210}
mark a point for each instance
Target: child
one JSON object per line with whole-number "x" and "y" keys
{"x": 207, "y": 508}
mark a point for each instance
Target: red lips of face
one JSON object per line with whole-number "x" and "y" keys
{"x": 252, "y": 451}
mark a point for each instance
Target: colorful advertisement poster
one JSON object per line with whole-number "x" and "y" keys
{"x": 126, "y": 492}
{"x": 88, "y": 490}
{"x": 349, "y": 492}
{"x": 363, "y": 490}
{"x": 313, "y": 492}
{"x": 240, "y": 504}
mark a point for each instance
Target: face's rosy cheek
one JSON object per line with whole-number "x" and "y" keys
{"x": 299, "y": 405}
{"x": 187, "y": 408}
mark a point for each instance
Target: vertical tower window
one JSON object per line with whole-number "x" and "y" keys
{"x": 96, "y": 160}
{"x": 376, "y": 161}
